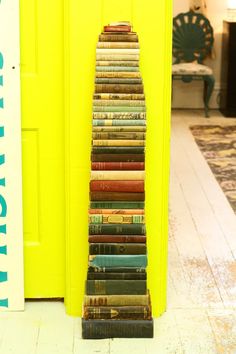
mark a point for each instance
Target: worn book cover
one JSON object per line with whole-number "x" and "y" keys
{"x": 117, "y": 312}
{"x": 116, "y": 287}
{"x": 118, "y": 261}
{"x": 116, "y": 276}
{"x": 118, "y": 88}
{"x": 117, "y": 238}
{"x": 116, "y": 219}
{"x": 117, "y": 186}
{"x": 117, "y": 248}
{"x": 117, "y": 45}
{"x": 118, "y": 150}
{"x": 121, "y": 196}
{"x": 117, "y": 158}
{"x": 116, "y": 142}
{"x": 117, "y": 211}
{"x": 119, "y": 122}
{"x": 117, "y": 165}
{"x": 116, "y": 300}
{"x": 118, "y": 136}
{"x": 117, "y": 175}
{"x": 116, "y": 205}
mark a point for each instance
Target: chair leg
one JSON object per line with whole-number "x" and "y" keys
{"x": 209, "y": 83}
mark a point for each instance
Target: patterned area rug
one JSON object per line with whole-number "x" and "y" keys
{"x": 218, "y": 146}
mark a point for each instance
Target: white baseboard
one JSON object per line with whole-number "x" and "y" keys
{"x": 190, "y": 95}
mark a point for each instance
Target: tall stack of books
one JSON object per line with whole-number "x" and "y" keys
{"x": 117, "y": 302}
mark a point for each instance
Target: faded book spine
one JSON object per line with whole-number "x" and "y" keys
{"x": 117, "y": 29}
{"x": 117, "y": 238}
{"x": 117, "y": 175}
{"x": 118, "y": 150}
{"x": 104, "y": 260}
{"x": 117, "y": 186}
{"x": 119, "y": 115}
{"x": 123, "y": 64}
{"x": 118, "y": 109}
{"x": 118, "y": 38}
{"x": 118, "y": 88}
{"x": 119, "y": 96}
{"x": 122, "y": 57}
{"x": 117, "y": 312}
{"x": 111, "y": 51}
{"x": 117, "y": 45}
{"x": 101, "y": 329}
{"x": 116, "y": 276}
{"x": 117, "y": 68}
{"x": 126, "y": 81}
{"x": 116, "y": 229}
{"x": 117, "y": 211}
{"x": 116, "y": 219}
{"x": 110, "y": 122}
{"x": 116, "y": 287}
{"x": 116, "y": 270}
{"x": 99, "y": 102}
{"x": 121, "y": 142}
{"x": 116, "y": 300}
{"x": 116, "y": 205}
{"x": 117, "y": 158}
{"x": 117, "y": 166}
{"x": 120, "y": 74}
{"x": 124, "y": 129}
{"x": 114, "y": 248}
{"x": 119, "y": 135}
{"x": 120, "y": 196}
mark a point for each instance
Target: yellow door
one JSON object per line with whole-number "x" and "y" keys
{"x": 42, "y": 53}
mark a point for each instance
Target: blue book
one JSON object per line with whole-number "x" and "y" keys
{"x": 101, "y": 260}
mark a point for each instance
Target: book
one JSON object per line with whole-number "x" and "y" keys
{"x": 117, "y": 238}
{"x": 116, "y": 300}
{"x": 116, "y": 205}
{"x": 117, "y": 229}
{"x": 117, "y": 45}
{"x": 121, "y": 128}
{"x": 117, "y": 186}
{"x": 118, "y": 81}
{"x": 118, "y": 57}
{"x": 117, "y": 248}
{"x": 117, "y": 312}
{"x": 116, "y": 276}
{"x": 117, "y": 51}
{"x": 123, "y": 122}
{"x": 117, "y": 158}
{"x": 118, "y": 102}
{"x": 104, "y": 260}
{"x": 121, "y": 109}
{"x": 116, "y": 142}
{"x": 118, "y": 38}
{"x": 120, "y": 115}
{"x": 118, "y": 150}
{"x": 118, "y": 88}
{"x": 118, "y": 135}
{"x": 117, "y": 175}
{"x": 95, "y": 269}
{"x": 117, "y": 211}
{"x": 117, "y": 28}
{"x": 101, "y": 329}
{"x": 116, "y": 287}
{"x": 119, "y": 96}
{"x": 109, "y": 68}
{"x": 116, "y": 219}
{"x": 119, "y": 74}
{"x": 128, "y": 63}
{"x": 121, "y": 196}
{"x": 117, "y": 166}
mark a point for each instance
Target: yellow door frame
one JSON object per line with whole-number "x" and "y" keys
{"x": 83, "y": 23}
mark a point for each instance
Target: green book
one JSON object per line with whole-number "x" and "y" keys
{"x": 109, "y": 122}
{"x": 105, "y": 80}
{"x": 116, "y": 287}
{"x": 119, "y": 109}
{"x": 119, "y": 115}
{"x": 105, "y": 260}
{"x": 116, "y": 205}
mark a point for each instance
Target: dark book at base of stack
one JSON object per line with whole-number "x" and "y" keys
{"x": 117, "y": 302}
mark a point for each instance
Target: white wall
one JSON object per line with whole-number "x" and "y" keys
{"x": 191, "y": 96}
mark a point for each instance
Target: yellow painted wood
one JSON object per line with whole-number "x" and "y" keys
{"x": 42, "y": 75}
{"x": 84, "y": 21}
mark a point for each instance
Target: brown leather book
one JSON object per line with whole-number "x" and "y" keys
{"x": 117, "y": 211}
{"x": 117, "y": 157}
{"x": 118, "y": 88}
{"x": 117, "y": 166}
{"x": 117, "y": 238}
{"x": 116, "y": 196}
{"x": 117, "y": 312}
{"x": 117, "y": 186}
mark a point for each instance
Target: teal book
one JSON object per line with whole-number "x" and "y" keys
{"x": 109, "y": 122}
{"x": 105, "y": 260}
{"x": 117, "y": 229}
{"x": 117, "y": 68}
{"x": 116, "y": 205}
{"x": 119, "y": 109}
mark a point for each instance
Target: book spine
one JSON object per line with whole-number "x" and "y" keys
{"x": 117, "y": 28}
{"x": 117, "y": 158}
{"x": 100, "y": 102}
{"x": 117, "y": 238}
{"x": 123, "y": 122}
{"x": 117, "y": 312}
{"x": 117, "y": 186}
{"x": 117, "y": 45}
{"x": 120, "y": 129}
{"x": 126, "y": 63}
{"x": 119, "y": 96}
{"x": 117, "y": 166}
{"x": 116, "y": 205}
{"x": 119, "y": 135}
{"x": 116, "y": 300}
{"x": 114, "y": 229}
{"x": 118, "y": 38}
{"x": 110, "y": 68}
{"x": 120, "y": 115}
{"x": 116, "y": 276}
{"x": 120, "y": 74}
{"x": 118, "y": 109}
{"x": 104, "y": 260}
{"x": 116, "y": 270}
{"x": 116, "y": 287}
{"x": 123, "y": 57}
{"x": 120, "y": 196}
{"x": 122, "y": 142}
{"x": 116, "y": 219}
{"x": 101, "y": 329}
{"x": 117, "y": 51}
{"x": 118, "y": 88}
{"x": 117, "y": 211}
{"x": 117, "y": 175}
{"x": 113, "y": 248}
{"x": 126, "y": 81}
{"x": 118, "y": 150}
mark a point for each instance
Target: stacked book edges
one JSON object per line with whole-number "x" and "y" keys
{"x": 117, "y": 302}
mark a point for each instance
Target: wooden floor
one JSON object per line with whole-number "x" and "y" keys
{"x": 201, "y": 314}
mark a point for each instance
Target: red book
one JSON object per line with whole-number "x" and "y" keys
{"x": 117, "y": 28}
{"x": 116, "y": 186}
{"x": 117, "y": 211}
{"x": 117, "y": 238}
{"x": 117, "y": 165}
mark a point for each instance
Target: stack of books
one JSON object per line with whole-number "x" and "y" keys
{"x": 117, "y": 302}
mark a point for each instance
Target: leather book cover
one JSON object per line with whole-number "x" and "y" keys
{"x": 116, "y": 205}
{"x": 117, "y": 158}
{"x": 117, "y": 238}
{"x": 119, "y": 196}
{"x": 117, "y": 186}
{"x": 117, "y": 312}
{"x": 117, "y": 248}
{"x": 116, "y": 287}
{"x": 116, "y": 276}
{"x": 118, "y": 88}
{"x": 118, "y": 166}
